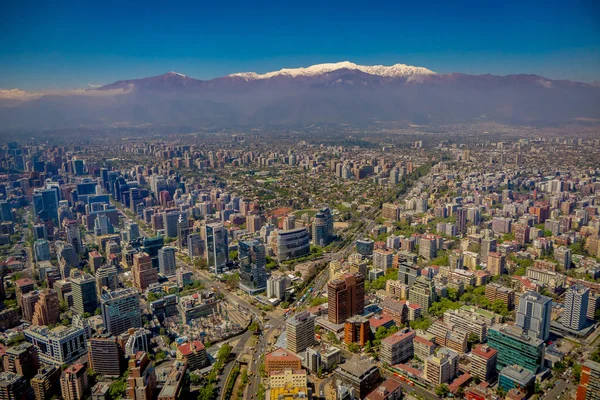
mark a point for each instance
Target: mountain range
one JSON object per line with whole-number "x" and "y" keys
{"x": 325, "y": 93}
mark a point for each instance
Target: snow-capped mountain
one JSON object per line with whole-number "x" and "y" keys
{"x": 342, "y": 92}
{"x": 393, "y": 71}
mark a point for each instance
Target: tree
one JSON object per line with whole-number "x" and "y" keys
{"x": 117, "y": 389}
{"x": 195, "y": 379}
{"x": 473, "y": 338}
{"x": 206, "y": 392}
{"x": 353, "y": 348}
{"x": 442, "y": 390}
{"x": 576, "y": 373}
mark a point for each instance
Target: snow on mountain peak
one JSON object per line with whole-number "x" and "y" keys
{"x": 176, "y": 73}
{"x": 393, "y": 71}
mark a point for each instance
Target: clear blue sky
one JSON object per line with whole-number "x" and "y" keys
{"x": 72, "y": 44}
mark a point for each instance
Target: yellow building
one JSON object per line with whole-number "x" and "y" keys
{"x": 288, "y": 378}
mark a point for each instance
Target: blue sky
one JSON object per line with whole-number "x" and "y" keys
{"x": 73, "y": 44}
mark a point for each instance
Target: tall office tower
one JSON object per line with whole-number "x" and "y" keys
{"x": 5, "y": 211}
{"x": 41, "y": 248}
{"x": 166, "y": 261}
{"x": 322, "y": 227}
{"x": 253, "y": 274}
{"x": 346, "y": 297}
{"x": 120, "y": 311}
{"x": 46, "y": 309}
{"x": 576, "y": 305}
{"x": 40, "y": 232}
{"x": 105, "y": 355}
{"x": 183, "y": 230}
{"x": 253, "y": 223}
{"x": 216, "y": 247}
{"x": 488, "y": 245}
{"x": 461, "y": 220}
{"x": 73, "y": 235}
{"x": 171, "y": 222}
{"x": 132, "y": 231}
{"x": 102, "y": 225}
{"x": 534, "y": 314}
{"x": 408, "y": 274}
{"x": 422, "y": 293}
{"x": 45, "y": 205}
{"x": 83, "y": 287}
{"x": 515, "y": 347}
{"x": 300, "y": 332}
{"x": 289, "y": 222}
{"x": 143, "y": 273}
{"x": 496, "y": 263}
{"x": 107, "y": 276}
{"x": 195, "y": 245}
{"x": 292, "y": 244}
{"x": 60, "y": 345}
{"x": 589, "y": 384}
{"x": 74, "y": 382}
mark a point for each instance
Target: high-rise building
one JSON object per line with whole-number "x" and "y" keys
{"x": 397, "y": 348}
{"x": 483, "y": 362}
{"x": 14, "y": 386}
{"x": 141, "y": 382}
{"x": 514, "y": 376}
{"x": 292, "y": 244}
{"x": 28, "y": 301}
{"x": 461, "y": 219}
{"x": 496, "y": 263}
{"x": 132, "y": 231}
{"x": 494, "y": 291}
{"x": 166, "y": 261}
{"x": 281, "y": 359}
{"x": 441, "y": 367}
{"x": 107, "y": 276}
{"x": 253, "y": 223}
{"x": 589, "y": 384}
{"x": 276, "y": 286}
{"x": 195, "y": 245}
{"x": 357, "y": 330}
{"x": 21, "y": 359}
{"x": 322, "y": 227}
{"x": 562, "y": 254}
{"x": 41, "y": 248}
{"x": 83, "y": 287}
{"x": 61, "y": 345}
{"x": 45, "y": 205}
{"x": 73, "y": 235}
{"x": 23, "y": 285}
{"x": 575, "y": 307}
{"x": 105, "y": 355}
{"x": 143, "y": 272}
{"x": 74, "y": 382}
{"x": 422, "y": 293}
{"x": 194, "y": 353}
{"x": 534, "y": 315}
{"x": 408, "y": 274}
{"x": 120, "y": 311}
{"x": 46, "y": 308}
{"x": 516, "y": 348}
{"x": 253, "y": 274}
{"x": 300, "y": 332}
{"x": 216, "y": 247}
{"x": 346, "y": 297}
{"x": 289, "y": 222}
{"x": 45, "y": 384}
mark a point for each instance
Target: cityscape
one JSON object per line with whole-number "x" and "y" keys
{"x": 419, "y": 223}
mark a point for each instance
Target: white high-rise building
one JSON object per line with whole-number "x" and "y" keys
{"x": 576, "y": 305}
{"x": 533, "y": 315}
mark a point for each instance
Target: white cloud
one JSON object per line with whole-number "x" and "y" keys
{"x": 19, "y": 94}
{"x": 546, "y": 84}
